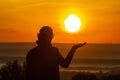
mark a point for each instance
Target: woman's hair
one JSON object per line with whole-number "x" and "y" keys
{"x": 46, "y": 33}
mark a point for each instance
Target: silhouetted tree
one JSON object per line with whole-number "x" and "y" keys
{"x": 80, "y": 76}
{"x": 92, "y": 77}
{"x": 11, "y": 71}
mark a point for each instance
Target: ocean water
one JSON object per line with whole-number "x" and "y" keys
{"x": 89, "y": 58}
{"x": 88, "y": 55}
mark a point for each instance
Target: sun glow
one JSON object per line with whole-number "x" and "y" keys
{"x": 72, "y": 23}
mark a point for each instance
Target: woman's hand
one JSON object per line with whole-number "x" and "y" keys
{"x": 74, "y": 47}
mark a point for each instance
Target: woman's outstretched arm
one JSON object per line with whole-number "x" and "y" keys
{"x": 65, "y": 62}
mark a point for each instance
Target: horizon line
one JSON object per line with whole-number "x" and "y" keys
{"x": 59, "y": 43}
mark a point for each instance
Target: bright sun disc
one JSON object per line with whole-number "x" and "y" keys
{"x": 72, "y": 23}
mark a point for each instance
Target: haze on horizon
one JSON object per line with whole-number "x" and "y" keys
{"x": 20, "y": 20}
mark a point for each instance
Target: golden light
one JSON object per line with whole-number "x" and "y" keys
{"x": 72, "y": 23}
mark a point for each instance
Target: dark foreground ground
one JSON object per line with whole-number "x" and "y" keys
{"x": 15, "y": 71}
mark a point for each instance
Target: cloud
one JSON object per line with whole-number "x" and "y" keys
{"x": 116, "y": 12}
{"x": 7, "y": 30}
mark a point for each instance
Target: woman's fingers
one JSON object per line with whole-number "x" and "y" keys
{"x": 79, "y": 45}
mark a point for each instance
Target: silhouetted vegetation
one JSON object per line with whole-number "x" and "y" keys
{"x": 12, "y": 71}
{"x": 15, "y": 71}
{"x": 95, "y": 76}
{"x": 111, "y": 77}
{"x": 85, "y": 76}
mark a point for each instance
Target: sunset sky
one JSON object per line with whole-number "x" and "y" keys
{"x": 20, "y": 20}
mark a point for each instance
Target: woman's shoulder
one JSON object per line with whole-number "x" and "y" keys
{"x": 31, "y": 51}
{"x": 55, "y": 48}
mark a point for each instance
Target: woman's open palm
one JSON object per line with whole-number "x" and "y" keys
{"x": 78, "y": 45}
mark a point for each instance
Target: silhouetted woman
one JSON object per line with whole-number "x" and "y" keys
{"x": 43, "y": 60}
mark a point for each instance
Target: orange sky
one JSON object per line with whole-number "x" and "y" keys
{"x": 20, "y": 20}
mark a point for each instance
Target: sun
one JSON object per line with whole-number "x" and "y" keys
{"x": 72, "y": 23}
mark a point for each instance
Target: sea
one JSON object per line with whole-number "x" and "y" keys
{"x": 89, "y": 58}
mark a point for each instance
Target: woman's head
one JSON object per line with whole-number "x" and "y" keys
{"x": 45, "y": 34}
